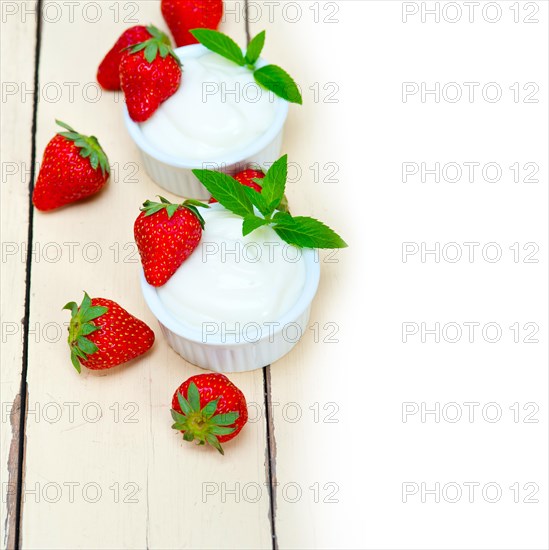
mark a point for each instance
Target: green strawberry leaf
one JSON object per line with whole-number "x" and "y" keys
{"x": 88, "y": 328}
{"x": 178, "y": 417}
{"x": 79, "y": 352}
{"x": 221, "y": 430}
{"x": 193, "y": 397}
{"x": 184, "y": 404}
{"x": 221, "y": 44}
{"x": 277, "y": 80}
{"x": 71, "y": 306}
{"x": 210, "y": 408}
{"x": 150, "y": 51}
{"x": 226, "y": 190}
{"x": 251, "y": 223}
{"x": 66, "y": 126}
{"x": 188, "y": 436}
{"x": 254, "y": 48}
{"x": 93, "y": 312}
{"x": 157, "y": 43}
{"x": 87, "y": 346}
{"x": 75, "y": 361}
{"x": 150, "y": 208}
{"x": 306, "y": 232}
{"x": 214, "y": 442}
{"x": 225, "y": 419}
{"x": 88, "y": 147}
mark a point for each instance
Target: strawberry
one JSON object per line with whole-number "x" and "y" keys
{"x": 73, "y": 167}
{"x": 166, "y": 234}
{"x": 246, "y": 177}
{"x": 209, "y": 408}
{"x": 185, "y": 15}
{"x": 150, "y": 73}
{"x": 108, "y": 73}
{"x": 103, "y": 335}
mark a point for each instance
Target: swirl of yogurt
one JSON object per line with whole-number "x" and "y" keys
{"x": 234, "y": 279}
{"x": 217, "y": 110}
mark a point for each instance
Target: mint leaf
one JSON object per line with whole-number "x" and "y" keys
{"x": 257, "y": 200}
{"x": 306, "y": 232}
{"x": 274, "y": 182}
{"x": 220, "y": 43}
{"x": 251, "y": 223}
{"x": 278, "y": 81}
{"x": 226, "y": 190}
{"x": 254, "y": 48}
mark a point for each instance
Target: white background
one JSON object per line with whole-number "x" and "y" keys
{"x": 370, "y": 133}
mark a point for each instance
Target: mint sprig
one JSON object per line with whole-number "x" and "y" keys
{"x": 271, "y": 77}
{"x": 301, "y": 231}
{"x": 278, "y": 81}
{"x": 227, "y": 191}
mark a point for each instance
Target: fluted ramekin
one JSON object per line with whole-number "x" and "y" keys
{"x": 226, "y": 352}
{"x": 175, "y": 173}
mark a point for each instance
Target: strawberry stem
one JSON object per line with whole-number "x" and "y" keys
{"x": 151, "y": 207}
{"x": 80, "y": 326}
{"x": 158, "y": 43}
{"x": 89, "y": 147}
{"x": 202, "y": 424}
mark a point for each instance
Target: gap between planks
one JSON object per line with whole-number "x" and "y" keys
{"x": 18, "y": 420}
{"x": 17, "y": 449}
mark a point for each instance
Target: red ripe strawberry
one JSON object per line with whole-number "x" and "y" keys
{"x": 73, "y": 167}
{"x": 103, "y": 335}
{"x": 150, "y": 73}
{"x": 209, "y": 408}
{"x": 185, "y": 15}
{"x": 108, "y": 73}
{"x": 166, "y": 234}
{"x": 246, "y": 178}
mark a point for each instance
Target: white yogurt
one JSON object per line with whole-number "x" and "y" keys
{"x": 234, "y": 279}
{"x": 217, "y": 110}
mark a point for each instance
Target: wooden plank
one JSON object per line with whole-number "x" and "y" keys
{"x": 18, "y": 44}
{"x": 151, "y": 489}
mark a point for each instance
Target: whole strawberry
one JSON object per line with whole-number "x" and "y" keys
{"x": 246, "y": 177}
{"x": 150, "y": 73}
{"x": 74, "y": 166}
{"x": 166, "y": 234}
{"x": 209, "y": 408}
{"x": 185, "y": 15}
{"x": 103, "y": 335}
{"x": 108, "y": 73}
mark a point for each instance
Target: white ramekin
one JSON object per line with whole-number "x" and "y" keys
{"x": 175, "y": 173}
{"x": 238, "y": 353}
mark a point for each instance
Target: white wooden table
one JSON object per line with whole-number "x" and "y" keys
{"x": 96, "y": 461}
{"x": 93, "y": 462}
